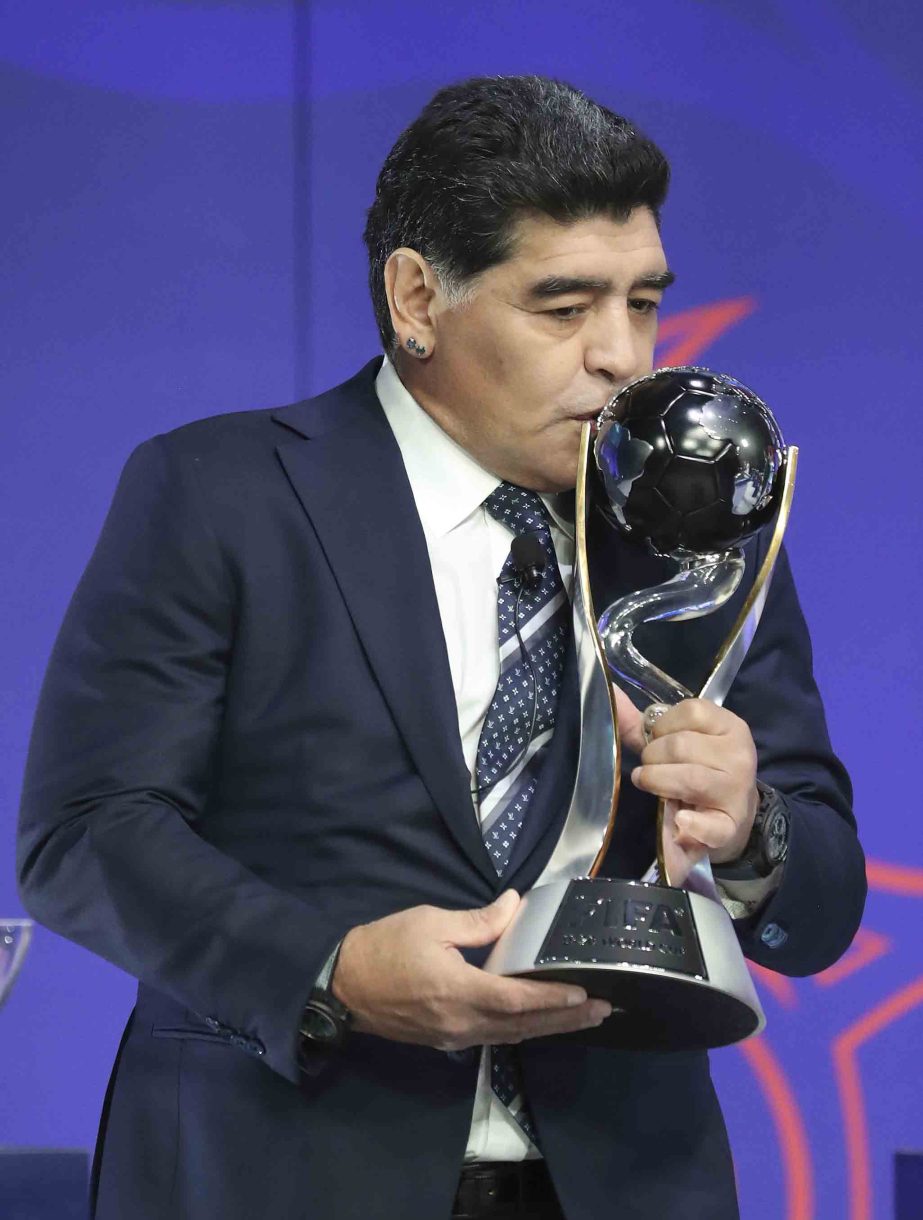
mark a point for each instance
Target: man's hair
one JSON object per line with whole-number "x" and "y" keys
{"x": 487, "y": 151}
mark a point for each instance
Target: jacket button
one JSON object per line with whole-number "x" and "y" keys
{"x": 773, "y": 936}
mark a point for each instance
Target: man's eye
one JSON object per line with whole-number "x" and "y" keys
{"x": 566, "y": 313}
{"x": 643, "y": 305}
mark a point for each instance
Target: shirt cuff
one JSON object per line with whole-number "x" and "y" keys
{"x": 742, "y": 899}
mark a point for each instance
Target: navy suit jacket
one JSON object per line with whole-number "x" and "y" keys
{"x": 247, "y": 744}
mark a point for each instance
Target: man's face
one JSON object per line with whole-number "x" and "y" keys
{"x": 550, "y": 336}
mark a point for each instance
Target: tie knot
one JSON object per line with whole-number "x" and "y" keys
{"x": 519, "y": 510}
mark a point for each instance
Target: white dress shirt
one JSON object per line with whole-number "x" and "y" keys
{"x": 467, "y": 548}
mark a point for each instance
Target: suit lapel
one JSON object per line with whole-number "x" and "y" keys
{"x": 346, "y": 469}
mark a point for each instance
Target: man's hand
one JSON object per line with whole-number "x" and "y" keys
{"x": 402, "y": 977}
{"x": 702, "y": 760}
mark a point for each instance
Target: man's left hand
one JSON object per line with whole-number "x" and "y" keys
{"x": 702, "y": 760}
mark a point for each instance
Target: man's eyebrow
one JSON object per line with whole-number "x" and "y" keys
{"x": 660, "y": 281}
{"x": 561, "y": 285}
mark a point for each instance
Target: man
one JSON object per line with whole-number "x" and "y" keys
{"x": 266, "y": 770}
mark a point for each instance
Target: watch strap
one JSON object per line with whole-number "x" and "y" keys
{"x": 747, "y": 883}
{"x": 762, "y": 855}
{"x": 325, "y": 977}
{"x": 325, "y": 1021}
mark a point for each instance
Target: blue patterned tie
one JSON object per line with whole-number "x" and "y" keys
{"x": 518, "y": 727}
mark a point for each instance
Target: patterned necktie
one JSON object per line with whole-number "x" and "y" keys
{"x": 534, "y": 625}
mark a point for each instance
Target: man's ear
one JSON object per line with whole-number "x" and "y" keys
{"x": 411, "y": 286}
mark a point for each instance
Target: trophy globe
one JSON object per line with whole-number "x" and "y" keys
{"x": 690, "y": 462}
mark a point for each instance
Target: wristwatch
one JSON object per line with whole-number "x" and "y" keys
{"x": 325, "y": 1021}
{"x": 767, "y": 846}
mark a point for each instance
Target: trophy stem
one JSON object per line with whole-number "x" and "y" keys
{"x": 590, "y": 818}
{"x": 734, "y": 648}
{"x": 692, "y": 592}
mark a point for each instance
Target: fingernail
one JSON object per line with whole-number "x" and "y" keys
{"x": 575, "y": 998}
{"x": 635, "y": 774}
{"x": 600, "y": 1010}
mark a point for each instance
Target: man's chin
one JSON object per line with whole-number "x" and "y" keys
{"x": 549, "y": 471}
{"x": 550, "y": 482}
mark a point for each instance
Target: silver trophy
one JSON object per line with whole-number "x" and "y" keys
{"x": 689, "y": 463}
{"x": 15, "y": 937}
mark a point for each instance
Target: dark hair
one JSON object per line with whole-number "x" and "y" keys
{"x": 488, "y": 150}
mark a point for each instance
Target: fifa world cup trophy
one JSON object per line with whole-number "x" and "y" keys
{"x": 688, "y": 464}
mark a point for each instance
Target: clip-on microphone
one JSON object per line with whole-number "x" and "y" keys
{"x": 529, "y": 558}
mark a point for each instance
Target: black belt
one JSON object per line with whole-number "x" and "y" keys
{"x": 505, "y": 1187}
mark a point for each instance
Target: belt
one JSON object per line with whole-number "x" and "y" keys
{"x": 488, "y": 1187}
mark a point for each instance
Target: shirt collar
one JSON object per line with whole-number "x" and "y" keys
{"x": 448, "y": 484}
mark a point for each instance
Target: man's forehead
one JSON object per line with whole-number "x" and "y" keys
{"x": 593, "y": 247}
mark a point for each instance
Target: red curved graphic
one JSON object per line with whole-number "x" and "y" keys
{"x": 694, "y": 329}
{"x": 789, "y": 1125}
{"x": 780, "y": 985}
{"x": 849, "y": 1083}
{"x": 895, "y": 878}
{"x": 867, "y": 947}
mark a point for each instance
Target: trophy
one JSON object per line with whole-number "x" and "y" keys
{"x": 688, "y": 463}
{"x": 15, "y": 935}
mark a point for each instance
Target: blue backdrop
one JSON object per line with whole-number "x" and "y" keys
{"x": 184, "y": 194}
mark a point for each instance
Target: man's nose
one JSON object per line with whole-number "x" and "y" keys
{"x": 616, "y": 349}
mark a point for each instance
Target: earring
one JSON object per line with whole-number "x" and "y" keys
{"x": 413, "y": 346}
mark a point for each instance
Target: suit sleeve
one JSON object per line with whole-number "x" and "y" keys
{"x": 812, "y": 917}
{"x": 118, "y": 772}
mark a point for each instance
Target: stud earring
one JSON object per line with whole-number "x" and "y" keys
{"x": 413, "y": 346}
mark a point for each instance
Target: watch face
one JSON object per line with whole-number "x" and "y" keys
{"x": 318, "y": 1025}
{"x": 777, "y": 837}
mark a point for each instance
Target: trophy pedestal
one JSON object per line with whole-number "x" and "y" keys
{"x": 667, "y": 959}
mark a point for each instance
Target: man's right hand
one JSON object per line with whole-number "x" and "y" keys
{"x": 403, "y": 977}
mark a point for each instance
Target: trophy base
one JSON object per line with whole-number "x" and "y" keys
{"x": 667, "y": 960}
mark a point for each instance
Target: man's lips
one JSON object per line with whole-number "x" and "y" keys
{"x": 591, "y": 415}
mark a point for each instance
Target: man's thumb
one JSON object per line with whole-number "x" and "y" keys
{"x": 631, "y": 721}
{"x": 483, "y": 925}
